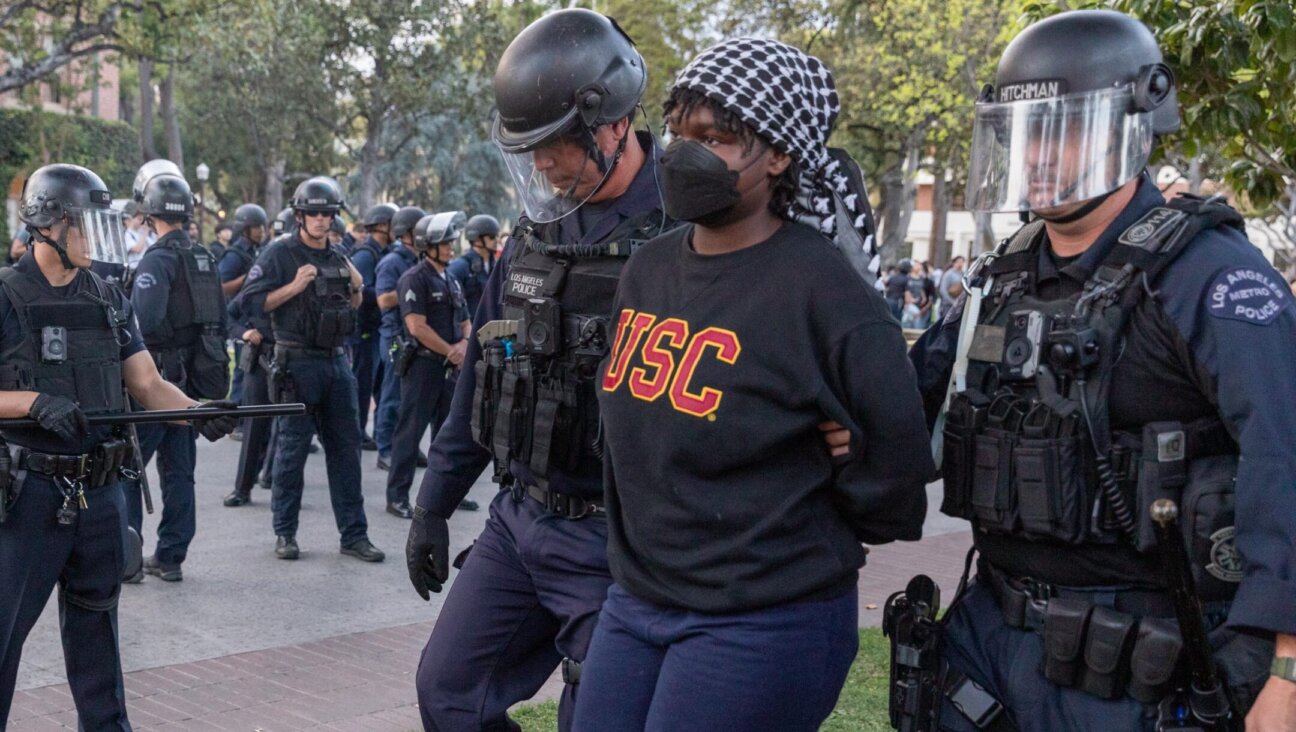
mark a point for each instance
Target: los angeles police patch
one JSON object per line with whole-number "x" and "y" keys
{"x": 1249, "y": 295}
{"x": 145, "y": 281}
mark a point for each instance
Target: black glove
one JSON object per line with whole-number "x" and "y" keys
{"x": 214, "y": 428}
{"x": 427, "y": 552}
{"x": 61, "y": 416}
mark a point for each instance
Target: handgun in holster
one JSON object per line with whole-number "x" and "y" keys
{"x": 283, "y": 388}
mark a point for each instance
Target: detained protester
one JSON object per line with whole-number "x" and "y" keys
{"x": 69, "y": 349}
{"x": 733, "y": 539}
{"x": 1116, "y": 378}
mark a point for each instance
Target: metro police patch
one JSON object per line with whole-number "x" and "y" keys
{"x": 1249, "y": 295}
{"x": 254, "y": 273}
{"x": 145, "y": 281}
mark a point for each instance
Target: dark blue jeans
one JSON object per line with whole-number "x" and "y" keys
{"x": 364, "y": 364}
{"x": 177, "y": 453}
{"x": 388, "y": 401}
{"x": 85, "y": 561}
{"x": 527, "y": 596}
{"x": 328, "y": 389}
{"x": 659, "y": 669}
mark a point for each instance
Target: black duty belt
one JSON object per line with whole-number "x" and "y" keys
{"x": 95, "y": 468}
{"x": 563, "y": 504}
{"x": 296, "y": 349}
{"x": 1024, "y": 601}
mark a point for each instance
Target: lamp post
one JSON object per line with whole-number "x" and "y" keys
{"x": 203, "y": 173}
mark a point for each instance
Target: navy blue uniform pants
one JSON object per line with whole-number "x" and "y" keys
{"x": 364, "y": 364}
{"x": 236, "y": 386}
{"x": 388, "y": 401}
{"x": 85, "y": 561}
{"x": 1008, "y": 663}
{"x": 328, "y": 389}
{"x": 528, "y": 595}
{"x": 256, "y": 432}
{"x": 425, "y": 394}
{"x": 659, "y": 669}
{"x": 177, "y": 453}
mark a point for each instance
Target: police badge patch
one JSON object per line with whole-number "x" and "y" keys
{"x": 145, "y": 281}
{"x": 1226, "y": 561}
{"x": 1248, "y": 295}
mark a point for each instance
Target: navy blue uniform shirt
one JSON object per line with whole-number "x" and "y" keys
{"x": 1231, "y": 330}
{"x": 390, "y": 268}
{"x": 472, "y": 271}
{"x": 365, "y": 256}
{"x": 11, "y": 332}
{"x": 155, "y": 277}
{"x": 274, "y": 269}
{"x": 237, "y": 259}
{"x": 424, "y": 291}
{"x": 455, "y": 460}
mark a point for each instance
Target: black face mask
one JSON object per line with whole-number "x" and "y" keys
{"x": 698, "y": 186}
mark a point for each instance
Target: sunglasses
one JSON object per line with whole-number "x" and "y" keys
{"x": 317, "y": 214}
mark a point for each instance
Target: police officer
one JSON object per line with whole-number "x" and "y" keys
{"x": 399, "y": 258}
{"x": 256, "y": 454}
{"x": 283, "y": 224}
{"x": 310, "y": 292}
{"x": 181, "y": 315}
{"x": 364, "y": 344}
{"x": 472, "y": 269}
{"x": 433, "y": 339}
{"x": 224, "y": 235}
{"x": 68, "y": 344}
{"x": 249, "y": 233}
{"x": 566, "y": 89}
{"x": 1116, "y": 350}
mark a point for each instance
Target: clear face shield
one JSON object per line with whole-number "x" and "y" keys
{"x": 102, "y": 234}
{"x": 553, "y": 178}
{"x": 1046, "y": 153}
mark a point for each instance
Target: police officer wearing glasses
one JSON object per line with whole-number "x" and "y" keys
{"x": 68, "y": 346}
{"x": 310, "y": 292}
{"x": 1117, "y": 374}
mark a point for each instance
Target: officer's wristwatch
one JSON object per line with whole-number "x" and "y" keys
{"x": 1284, "y": 667}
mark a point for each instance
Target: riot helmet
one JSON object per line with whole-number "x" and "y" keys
{"x": 160, "y": 166}
{"x": 404, "y": 220}
{"x": 481, "y": 225}
{"x": 248, "y": 216}
{"x": 167, "y": 197}
{"x": 435, "y": 229}
{"x": 320, "y": 194}
{"x": 563, "y": 77}
{"x": 380, "y": 214}
{"x": 78, "y": 198}
{"x": 1077, "y": 101}
{"x": 284, "y": 223}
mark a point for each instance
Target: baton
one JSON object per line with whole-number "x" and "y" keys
{"x": 175, "y": 415}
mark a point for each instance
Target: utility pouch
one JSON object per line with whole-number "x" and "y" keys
{"x": 1207, "y": 521}
{"x": 1162, "y": 473}
{"x": 209, "y": 376}
{"x": 1154, "y": 658}
{"x": 1065, "y": 622}
{"x": 993, "y": 503}
{"x": 965, "y": 418}
{"x": 1106, "y": 653}
{"x": 171, "y": 365}
{"x": 486, "y": 394}
{"x": 1049, "y": 476}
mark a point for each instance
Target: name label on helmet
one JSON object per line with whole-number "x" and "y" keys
{"x": 1029, "y": 90}
{"x": 100, "y": 197}
{"x": 317, "y": 201}
{"x": 174, "y": 206}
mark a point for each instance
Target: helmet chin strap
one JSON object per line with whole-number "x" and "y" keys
{"x": 60, "y": 246}
{"x": 1084, "y": 210}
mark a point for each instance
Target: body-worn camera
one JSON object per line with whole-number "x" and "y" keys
{"x": 53, "y": 344}
{"x": 540, "y": 329}
{"x": 1072, "y": 349}
{"x": 1023, "y": 336}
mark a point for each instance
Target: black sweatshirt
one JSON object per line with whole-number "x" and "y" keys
{"x": 721, "y": 494}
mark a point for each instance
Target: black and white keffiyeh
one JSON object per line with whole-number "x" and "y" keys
{"x": 789, "y": 98}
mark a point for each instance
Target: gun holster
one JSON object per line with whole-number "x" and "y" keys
{"x": 283, "y": 388}
{"x": 8, "y": 489}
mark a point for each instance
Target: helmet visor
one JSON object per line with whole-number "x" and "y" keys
{"x": 102, "y": 233}
{"x": 554, "y": 179}
{"x": 1045, "y": 153}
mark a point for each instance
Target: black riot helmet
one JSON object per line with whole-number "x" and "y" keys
{"x": 404, "y": 220}
{"x": 1077, "y": 102}
{"x": 320, "y": 194}
{"x": 284, "y": 223}
{"x": 438, "y": 228}
{"x": 167, "y": 197}
{"x": 481, "y": 225}
{"x": 247, "y": 216}
{"x": 564, "y": 76}
{"x": 380, "y": 214}
{"x": 77, "y": 196}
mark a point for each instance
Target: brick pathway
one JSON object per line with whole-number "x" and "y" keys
{"x": 365, "y": 681}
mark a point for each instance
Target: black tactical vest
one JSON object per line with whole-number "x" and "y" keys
{"x": 369, "y": 315}
{"x": 535, "y": 400}
{"x": 321, "y": 316}
{"x": 1029, "y": 450}
{"x": 189, "y": 346}
{"x": 71, "y": 349}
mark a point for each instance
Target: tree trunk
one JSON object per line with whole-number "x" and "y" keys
{"x": 900, "y": 191}
{"x": 1195, "y": 176}
{"x": 171, "y": 119}
{"x": 274, "y": 183}
{"x": 370, "y": 157}
{"x": 938, "y": 253}
{"x": 146, "y": 109}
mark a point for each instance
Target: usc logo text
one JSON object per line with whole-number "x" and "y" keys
{"x": 669, "y": 356}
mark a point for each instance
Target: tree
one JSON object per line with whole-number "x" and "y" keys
{"x": 43, "y": 36}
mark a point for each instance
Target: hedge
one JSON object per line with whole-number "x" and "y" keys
{"x": 31, "y": 138}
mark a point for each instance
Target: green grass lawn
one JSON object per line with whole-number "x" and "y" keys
{"x": 861, "y": 708}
